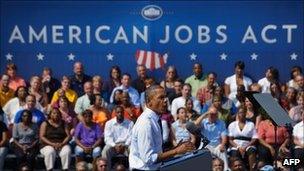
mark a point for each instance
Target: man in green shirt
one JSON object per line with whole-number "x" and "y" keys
{"x": 198, "y": 79}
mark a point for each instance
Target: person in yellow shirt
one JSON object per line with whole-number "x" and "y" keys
{"x": 6, "y": 93}
{"x": 71, "y": 95}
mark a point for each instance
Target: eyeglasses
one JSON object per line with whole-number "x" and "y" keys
{"x": 103, "y": 165}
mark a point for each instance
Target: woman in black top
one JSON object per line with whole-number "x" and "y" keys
{"x": 54, "y": 136}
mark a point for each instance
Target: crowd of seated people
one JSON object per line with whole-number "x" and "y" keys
{"x": 91, "y": 117}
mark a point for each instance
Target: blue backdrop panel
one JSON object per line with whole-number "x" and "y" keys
{"x": 217, "y": 34}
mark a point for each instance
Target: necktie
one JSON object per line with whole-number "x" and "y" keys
{"x": 160, "y": 125}
{"x": 161, "y": 130}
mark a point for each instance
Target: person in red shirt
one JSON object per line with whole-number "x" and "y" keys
{"x": 15, "y": 81}
{"x": 266, "y": 133}
{"x": 130, "y": 111}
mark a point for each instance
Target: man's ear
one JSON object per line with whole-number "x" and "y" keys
{"x": 148, "y": 104}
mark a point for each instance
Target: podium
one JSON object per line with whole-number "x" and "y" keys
{"x": 198, "y": 160}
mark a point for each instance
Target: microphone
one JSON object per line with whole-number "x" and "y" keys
{"x": 193, "y": 129}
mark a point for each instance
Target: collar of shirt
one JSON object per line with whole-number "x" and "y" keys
{"x": 116, "y": 123}
{"x": 211, "y": 123}
{"x": 201, "y": 78}
{"x": 152, "y": 115}
{"x": 301, "y": 124}
{"x": 124, "y": 88}
{"x": 4, "y": 92}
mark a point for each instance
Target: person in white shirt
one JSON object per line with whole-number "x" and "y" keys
{"x": 126, "y": 87}
{"x": 232, "y": 82}
{"x": 16, "y": 104}
{"x": 181, "y": 101}
{"x": 146, "y": 142}
{"x": 242, "y": 137}
{"x": 272, "y": 75}
{"x": 298, "y": 139}
{"x": 84, "y": 101}
{"x": 117, "y": 136}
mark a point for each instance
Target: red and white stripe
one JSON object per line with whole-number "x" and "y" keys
{"x": 152, "y": 60}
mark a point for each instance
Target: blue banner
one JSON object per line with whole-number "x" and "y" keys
{"x": 157, "y": 34}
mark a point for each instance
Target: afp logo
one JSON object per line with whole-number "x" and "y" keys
{"x": 152, "y": 12}
{"x": 291, "y": 162}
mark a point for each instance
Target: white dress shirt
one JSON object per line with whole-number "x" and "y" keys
{"x": 146, "y": 142}
{"x": 231, "y": 81}
{"x": 181, "y": 101}
{"x": 265, "y": 84}
{"x": 118, "y": 132}
{"x": 12, "y": 107}
{"x": 248, "y": 131}
{"x": 298, "y": 131}
{"x": 82, "y": 104}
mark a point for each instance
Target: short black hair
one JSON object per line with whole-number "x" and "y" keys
{"x": 180, "y": 109}
{"x": 28, "y": 112}
{"x": 126, "y": 74}
{"x": 294, "y": 69}
{"x": 213, "y": 73}
{"x": 93, "y": 98}
{"x": 115, "y": 67}
{"x": 187, "y": 84}
{"x": 150, "y": 92}
{"x": 87, "y": 112}
{"x": 240, "y": 64}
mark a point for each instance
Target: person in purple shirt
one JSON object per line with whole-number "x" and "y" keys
{"x": 88, "y": 137}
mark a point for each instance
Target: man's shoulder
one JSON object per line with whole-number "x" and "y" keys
{"x": 229, "y": 78}
{"x": 128, "y": 122}
{"x": 299, "y": 125}
{"x": 132, "y": 89}
{"x": 13, "y": 101}
{"x": 72, "y": 77}
{"x": 117, "y": 88}
{"x": 87, "y": 77}
{"x": 220, "y": 122}
{"x": 85, "y": 97}
{"x": 142, "y": 123}
{"x": 177, "y": 99}
{"x": 145, "y": 117}
{"x": 190, "y": 78}
{"x": 262, "y": 80}
{"x": 37, "y": 111}
{"x": 194, "y": 99}
{"x": 19, "y": 112}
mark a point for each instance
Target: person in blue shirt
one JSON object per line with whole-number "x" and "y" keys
{"x": 215, "y": 131}
{"x": 38, "y": 116}
{"x": 126, "y": 87}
